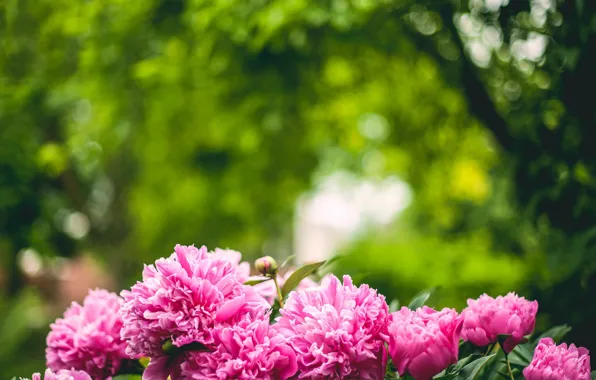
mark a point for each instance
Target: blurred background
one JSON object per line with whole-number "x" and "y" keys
{"x": 435, "y": 143}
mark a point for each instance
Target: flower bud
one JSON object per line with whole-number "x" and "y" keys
{"x": 266, "y": 265}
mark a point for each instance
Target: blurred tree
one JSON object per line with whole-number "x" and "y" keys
{"x": 526, "y": 69}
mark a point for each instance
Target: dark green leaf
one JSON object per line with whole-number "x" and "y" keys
{"x": 521, "y": 355}
{"x": 449, "y": 376}
{"x": 300, "y": 274}
{"x": 274, "y": 311}
{"x": 472, "y": 370}
{"x": 420, "y": 299}
{"x": 464, "y": 362}
{"x": 556, "y": 333}
{"x": 256, "y": 281}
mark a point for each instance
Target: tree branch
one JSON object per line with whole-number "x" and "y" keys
{"x": 480, "y": 103}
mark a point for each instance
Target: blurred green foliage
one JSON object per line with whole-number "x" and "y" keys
{"x": 171, "y": 121}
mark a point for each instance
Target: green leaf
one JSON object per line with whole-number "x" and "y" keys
{"x": 420, "y": 299}
{"x": 472, "y": 370}
{"x": 274, "y": 311}
{"x": 464, "y": 362}
{"x": 593, "y": 376}
{"x": 521, "y": 355}
{"x": 300, "y": 274}
{"x": 556, "y": 333}
{"x": 334, "y": 259}
{"x": 257, "y": 281}
{"x": 449, "y": 376}
{"x": 287, "y": 261}
{"x": 394, "y": 305}
{"x": 128, "y": 377}
{"x": 144, "y": 361}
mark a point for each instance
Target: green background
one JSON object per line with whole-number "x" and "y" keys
{"x": 203, "y": 121}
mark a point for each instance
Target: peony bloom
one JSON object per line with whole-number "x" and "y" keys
{"x": 61, "y": 375}
{"x": 423, "y": 342}
{"x": 552, "y": 362}
{"x": 337, "y": 331}
{"x": 487, "y": 317}
{"x": 234, "y": 257}
{"x": 268, "y": 291}
{"x": 88, "y": 337}
{"x": 183, "y": 298}
{"x": 250, "y": 349}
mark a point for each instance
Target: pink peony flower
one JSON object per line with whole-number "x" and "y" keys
{"x": 61, "y": 375}
{"x": 234, "y": 257}
{"x": 487, "y": 317}
{"x": 337, "y": 331}
{"x": 552, "y": 362}
{"x": 88, "y": 337}
{"x": 423, "y": 342}
{"x": 268, "y": 291}
{"x": 183, "y": 298}
{"x": 250, "y": 349}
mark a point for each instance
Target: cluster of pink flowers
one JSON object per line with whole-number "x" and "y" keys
{"x": 61, "y": 375}
{"x": 193, "y": 317}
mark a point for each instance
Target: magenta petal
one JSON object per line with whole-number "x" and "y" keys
{"x": 246, "y": 350}
{"x": 158, "y": 369}
{"x": 230, "y": 308}
{"x": 181, "y": 253}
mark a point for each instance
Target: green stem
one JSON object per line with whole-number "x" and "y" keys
{"x": 506, "y": 359}
{"x": 279, "y": 295}
{"x": 509, "y": 367}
